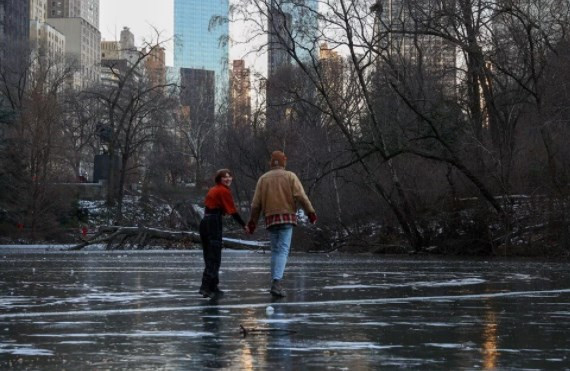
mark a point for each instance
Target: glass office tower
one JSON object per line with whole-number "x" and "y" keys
{"x": 197, "y": 45}
{"x": 291, "y": 22}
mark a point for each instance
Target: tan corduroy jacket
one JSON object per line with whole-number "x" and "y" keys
{"x": 277, "y": 192}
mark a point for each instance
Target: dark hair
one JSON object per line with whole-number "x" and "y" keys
{"x": 220, "y": 174}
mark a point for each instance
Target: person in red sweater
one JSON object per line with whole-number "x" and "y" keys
{"x": 219, "y": 202}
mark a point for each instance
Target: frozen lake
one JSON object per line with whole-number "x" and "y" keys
{"x": 141, "y": 310}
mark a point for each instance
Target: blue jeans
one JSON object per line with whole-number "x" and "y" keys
{"x": 280, "y": 237}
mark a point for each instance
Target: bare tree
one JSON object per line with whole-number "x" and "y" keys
{"x": 31, "y": 154}
{"x": 79, "y": 118}
{"x": 428, "y": 83}
{"x": 198, "y": 131}
{"x": 130, "y": 107}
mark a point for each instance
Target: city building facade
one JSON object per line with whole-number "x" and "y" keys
{"x": 291, "y": 23}
{"x": 118, "y": 57}
{"x": 197, "y": 94}
{"x": 110, "y": 56}
{"x": 155, "y": 66}
{"x": 78, "y": 21}
{"x": 82, "y": 48}
{"x": 47, "y": 41}
{"x": 129, "y": 50}
{"x": 291, "y": 26}
{"x": 278, "y": 41}
{"x": 110, "y": 50}
{"x": 332, "y": 72}
{"x": 407, "y": 45}
{"x": 172, "y": 75}
{"x": 240, "y": 94}
{"x": 123, "y": 49}
{"x": 38, "y": 10}
{"x": 14, "y": 25}
{"x": 200, "y": 42}
{"x": 86, "y": 9}
{"x": 14, "y": 38}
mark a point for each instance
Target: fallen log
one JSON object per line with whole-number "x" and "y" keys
{"x": 139, "y": 237}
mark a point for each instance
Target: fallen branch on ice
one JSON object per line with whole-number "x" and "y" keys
{"x": 117, "y": 237}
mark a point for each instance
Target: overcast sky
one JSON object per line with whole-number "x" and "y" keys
{"x": 142, "y": 15}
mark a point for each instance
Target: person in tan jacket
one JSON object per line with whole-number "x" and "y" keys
{"x": 277, "y": 194}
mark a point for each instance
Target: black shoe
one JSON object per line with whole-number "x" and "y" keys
{"x": 206, "y": 293}
{"x": 276, "y": 289}
{"x": 218, "y": 292}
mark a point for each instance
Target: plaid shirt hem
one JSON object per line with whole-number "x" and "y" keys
{"x": 276, "y": 219}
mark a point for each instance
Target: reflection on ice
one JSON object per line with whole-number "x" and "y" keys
{"x": 147, "y": 334}
{"x": 281, "y": 320}
{"x": 337, "y": 345}
{"x": 316, "y": 303}
{"x": 117, "y": 310}
{"x": 77, "y": 342}
{"x": 350, "y": 287}
{"x": 15, "y": 302}
{"x": 450, "y": 346}
{"x": 23, "y": 350}
{"x": 449, "y": 283}
{"x": 375, "y": 324}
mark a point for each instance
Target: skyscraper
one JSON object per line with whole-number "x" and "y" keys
{"x": 14, "y": 24}
{"x": 14, "y": 37}
{"x": 199, "y": 42}
{"x": 408, "y": 44}
{"x": 240, "y": 86}
{"x": 86, "y": 9}
{"x": 46, "y": 41}
{"x": 83, "y": 47}
{"x": 38, "y": 10}
{"x": 78, "y": 21}
{"x": 155, "y": 66}
{"x": 278, "y": 40}
{"x": 117, "y": 57}
{"x": 332, "y": 73}
{"x": 291, "y": 24}
{"x": 197, "y": 95}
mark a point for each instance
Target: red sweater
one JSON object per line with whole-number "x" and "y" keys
{"x": 220, "y": 197}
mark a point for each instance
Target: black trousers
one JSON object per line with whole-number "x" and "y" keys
{"x": 211, "y": 236}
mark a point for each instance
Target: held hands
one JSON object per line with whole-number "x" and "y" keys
{"x": 312, "y": 218}
{"x": 250, "y": 227}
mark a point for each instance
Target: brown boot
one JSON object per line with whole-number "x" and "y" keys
{"x": 276, "y": 289}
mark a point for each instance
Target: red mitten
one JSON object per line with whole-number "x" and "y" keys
{"x": 251, "y": 226}
{"x": 312, "y": 218}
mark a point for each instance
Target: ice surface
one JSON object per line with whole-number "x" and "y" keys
{"x": 141, "y": 310}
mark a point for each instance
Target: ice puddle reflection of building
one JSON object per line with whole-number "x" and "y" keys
{"x": 490, "y": 353}
{"x": 266, "y": 348}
